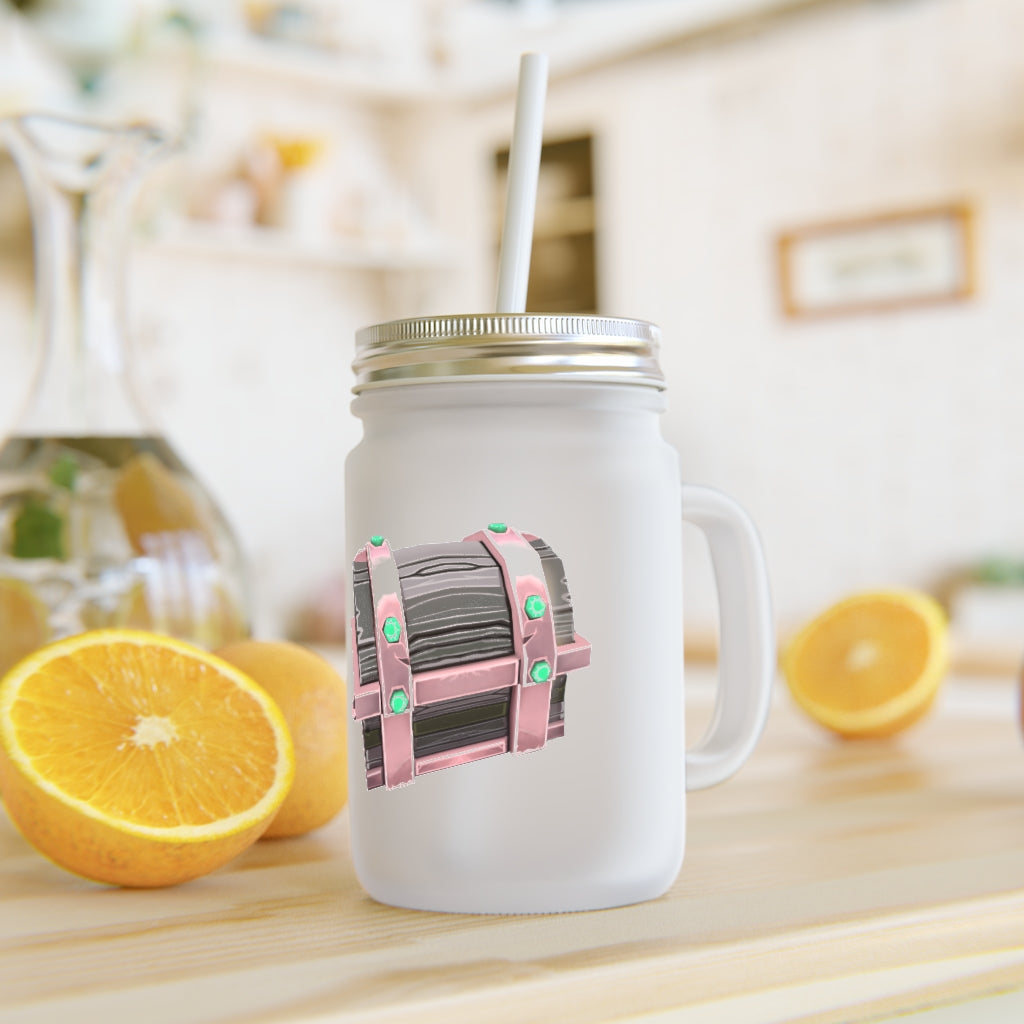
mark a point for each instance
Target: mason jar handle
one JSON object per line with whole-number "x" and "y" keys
{"x": 746, "y": 660}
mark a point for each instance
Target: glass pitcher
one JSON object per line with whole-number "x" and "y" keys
{"x": 101, "y": 523}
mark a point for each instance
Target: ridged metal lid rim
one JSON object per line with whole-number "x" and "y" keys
{"x": 508, "y": 345}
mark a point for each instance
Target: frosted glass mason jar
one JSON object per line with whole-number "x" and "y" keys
{"x": 546, "y": 425}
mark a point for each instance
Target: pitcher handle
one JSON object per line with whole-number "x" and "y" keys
{"x": 746, "y": 662}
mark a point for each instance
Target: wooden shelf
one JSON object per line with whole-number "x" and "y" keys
{"x": 483, "y": 36}
{"x": 308, "y": 68}
{"x": 272, "y": 245}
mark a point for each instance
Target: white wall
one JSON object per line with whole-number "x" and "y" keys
{"x": 871, "y": 450}
{"x": 251, "y": 382}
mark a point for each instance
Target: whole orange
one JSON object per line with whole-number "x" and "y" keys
{"x": 311, "y": 696}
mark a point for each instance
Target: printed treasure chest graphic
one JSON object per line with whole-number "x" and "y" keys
{"x": 460, "y": 651}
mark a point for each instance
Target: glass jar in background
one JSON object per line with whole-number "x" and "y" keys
{"x": 101, "y": 523}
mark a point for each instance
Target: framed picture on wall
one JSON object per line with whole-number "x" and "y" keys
{"x": 877, "y": 263}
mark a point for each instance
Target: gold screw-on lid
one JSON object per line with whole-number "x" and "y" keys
{"x": 493, "y": 346}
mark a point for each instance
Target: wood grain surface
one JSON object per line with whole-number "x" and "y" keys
{"x": 828, "y": 881}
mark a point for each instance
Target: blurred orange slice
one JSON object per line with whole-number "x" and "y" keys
{"x": 152, "y": 500}
{"x": 139, "y": 760}
{"x": 870, "y": 665}
{"x": 24, "y": 622}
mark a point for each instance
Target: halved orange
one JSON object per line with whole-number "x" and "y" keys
{"x": 139, "y": 760}
{"x": 871, "y": 664}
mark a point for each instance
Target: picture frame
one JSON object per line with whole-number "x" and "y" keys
{"x": 888, "y": 261}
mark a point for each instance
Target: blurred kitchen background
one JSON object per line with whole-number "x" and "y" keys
{"x": 821, "y": 202}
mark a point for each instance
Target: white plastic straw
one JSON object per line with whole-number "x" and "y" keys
{"x": 521, "y": 198}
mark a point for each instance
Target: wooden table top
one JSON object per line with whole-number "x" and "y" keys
{"x": 827, "y": 881}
